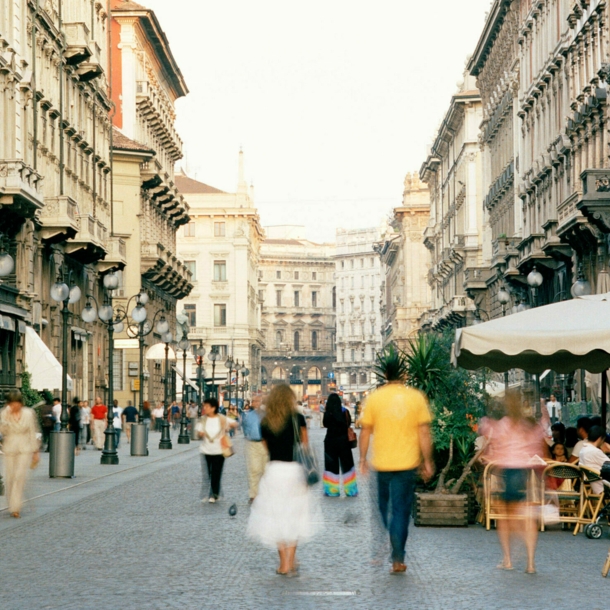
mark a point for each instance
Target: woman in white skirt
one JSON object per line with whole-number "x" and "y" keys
{"x": 281, "y": 515}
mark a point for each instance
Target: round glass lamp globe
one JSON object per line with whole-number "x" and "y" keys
{"x": 111, "y": 281}
{"x": 89, "y": 314}
{"x": 118, "y": 327}
{"x": 168, "y": 338}
{"x": 162, "y": 326}
{"x": 74, "y": 295}
{"x": 143, "y": 298}
{"x": 60, "y": 292}
{"x": 184, "y": 344}
{"x": 138, "y": 314}
{"x": 503, "y": 297}
{"x": 7, "y": 264}
{"x": 580, "y": 288}
{"x": 229, "y": 364}
{"x": 105, "y": 313}
{"x": 214, "y": 356}
{"x": 534, "y": 278}
{"x": 245, "y": 372}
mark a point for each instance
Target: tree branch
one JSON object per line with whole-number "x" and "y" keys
{"x": 440, "y": 486}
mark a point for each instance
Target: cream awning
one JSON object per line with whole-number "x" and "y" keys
{"x": 44, "y": 368}
{"x": 562, "y": 337}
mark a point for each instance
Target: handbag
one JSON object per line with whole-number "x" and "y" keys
{"x": 305, "y": 456}
{"x": 352, "y": 439}
{"x": 227, "y": 446}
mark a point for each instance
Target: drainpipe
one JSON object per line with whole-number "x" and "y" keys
{"x": 61, "y": 103}
{"x": 112, "y": 113}
{"x": 34, "y": 100}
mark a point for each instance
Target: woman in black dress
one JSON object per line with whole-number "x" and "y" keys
{"x": 75, "y": 423}
{"x": 337, "y": 451}
{"x": 281, "y": 515}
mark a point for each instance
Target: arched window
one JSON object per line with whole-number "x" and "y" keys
{"x": 314, "y": 339}
{"x": 297, "y": 339}
{"x": 278, "y": 373}
{"x": 278, "y": 339}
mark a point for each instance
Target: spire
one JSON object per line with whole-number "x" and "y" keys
{"x": 242, "y": 185}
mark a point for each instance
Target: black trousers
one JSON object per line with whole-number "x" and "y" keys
{"x": 214, "y": 464}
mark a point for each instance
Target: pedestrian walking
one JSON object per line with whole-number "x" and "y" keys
{"x": 19, "y": 429}
{"x": 175, "y": 415}
{"x": 47, "y": 424}
{"x": 74, "y": 423}
{"x": 57, "y": 413}
{"x": 513, "y": 441}
{"x": 146, "y": 414}
{"x": 338, "y": 456}
{"x": 281, "y": 515}
{"x": 234, "y": 419}
{"x": 129, "y": 416}
{"x": 211, "y": 429}
{"x": 398, "y": 419}
{"x": 99, "y": 413}
{"x": 256, "y": 452}
{"x": 157, "y": 416}
{"x": 117, "y": 421}
{"x": 85, "y": 420}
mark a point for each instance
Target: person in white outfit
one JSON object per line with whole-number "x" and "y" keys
{"x": 593, "y": 457}
{"x": 20, "y": 445}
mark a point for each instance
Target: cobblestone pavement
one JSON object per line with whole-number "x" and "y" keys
{"x": 147, "y": 541}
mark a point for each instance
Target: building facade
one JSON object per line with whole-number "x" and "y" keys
{"x": 357, "y": 281}
{"x": 297, "y": 290}
{"x": 55, "y": 190}
{"x": 148, "y": 206}
{"x": 221, "y": 245}
{"x": 455, "y": 233}
{"x": 405, "y": 293}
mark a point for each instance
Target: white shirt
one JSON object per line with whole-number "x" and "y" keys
{"x": 554, "y": 405}
{"x": 578, "y": 448}
{"x": 57, "y": 411}
{"x": 85, "y": 416}
{"x": 117, "y": 423}
{"x": 594, "y": 458}
{"x": 158, "y": 413}
{"x": 212, "y": 429}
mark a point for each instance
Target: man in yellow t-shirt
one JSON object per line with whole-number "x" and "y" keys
{"x": 398, "y": 417}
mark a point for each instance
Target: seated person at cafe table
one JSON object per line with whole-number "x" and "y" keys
{"x": 583, "y": 425}
{"x": 593, "y": 457}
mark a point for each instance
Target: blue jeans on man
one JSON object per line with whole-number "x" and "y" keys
{"x": 395, "y": 492}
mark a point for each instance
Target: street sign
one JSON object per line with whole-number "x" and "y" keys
{"x": 135, "y": 385}
{"x": 331, "y": 375}
{"x": 341, "y": 388}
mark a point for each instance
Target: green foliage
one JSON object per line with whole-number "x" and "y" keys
{"x": 426, "y": 367}
{"x": 30, "y": 396}
{"x": 391, "y": 364}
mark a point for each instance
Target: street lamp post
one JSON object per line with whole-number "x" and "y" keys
{"x": 229, "y": 365}
{"x": 61, "y": 459}
{"x": 214, "y": 356}
{"x": 199, "y": 352}
{"x": 236, "y": 383}
{"x": 244, "y": 373}
{"x": 504, "y": 300}
{"x": 183, "y": 437}
{"x": 113, "y": 323}
{"x": 534, "y": 281}
{"x": 139, "y": 431}
{"x": 166, "y": 441}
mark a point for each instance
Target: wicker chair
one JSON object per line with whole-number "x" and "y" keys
{"x": 569, "y": 496}
{"x": 593, "y": 503}
{"x": 493, "y": 487}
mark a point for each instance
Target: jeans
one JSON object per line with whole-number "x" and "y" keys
{"x": 117, "y": 432}
{"x": 395, "y": 497}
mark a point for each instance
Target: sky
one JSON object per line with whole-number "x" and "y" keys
{"x": 332, "y": 101}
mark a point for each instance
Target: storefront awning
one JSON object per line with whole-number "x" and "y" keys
{"x": 44, "y": 368}
{"x": 188, "y": 381}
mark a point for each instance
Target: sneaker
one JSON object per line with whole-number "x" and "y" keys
{"x": 212, "y": 500}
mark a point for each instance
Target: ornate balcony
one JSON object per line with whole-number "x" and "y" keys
{"x": 59, "y": 219}
{"x": 163, "y": 269}
{"x": 116, "y": 257}
{"x": 77, "y": 43}
{"x": 595, "y": 200}
{"x": 89, "y": 244}
{"x": 20, "y": 190}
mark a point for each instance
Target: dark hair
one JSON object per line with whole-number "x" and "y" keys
{"x": 559, "y": 427}
{"x": 56, "y": 399}
{"x": 596, "y": 420}
{"x": 563, "y": 445}
{"x": 584, "y": 423}
{"x": 14, "y": 396}
{"x": 334, "y": 408}
{"x": 212, "y": 402}
{"x": 571, "y": 436}
{"x": 595, "y": 433}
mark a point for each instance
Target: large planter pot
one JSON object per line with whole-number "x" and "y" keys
{"x": 441, "y": 509}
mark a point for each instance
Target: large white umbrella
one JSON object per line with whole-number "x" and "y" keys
{"x": 563, "y": 336}
{"x": 157, "y": 352}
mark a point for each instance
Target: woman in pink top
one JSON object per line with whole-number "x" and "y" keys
{"x": 513, "y": 442}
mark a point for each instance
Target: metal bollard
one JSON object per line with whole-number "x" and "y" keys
{"x": 61, "y": 454}
{"x": 139, "y": 439}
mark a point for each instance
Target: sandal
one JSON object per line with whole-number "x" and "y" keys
{"x": 503, "y": 566}
{"x": 16, "y": 515}
{"x": 398, "y": 568}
